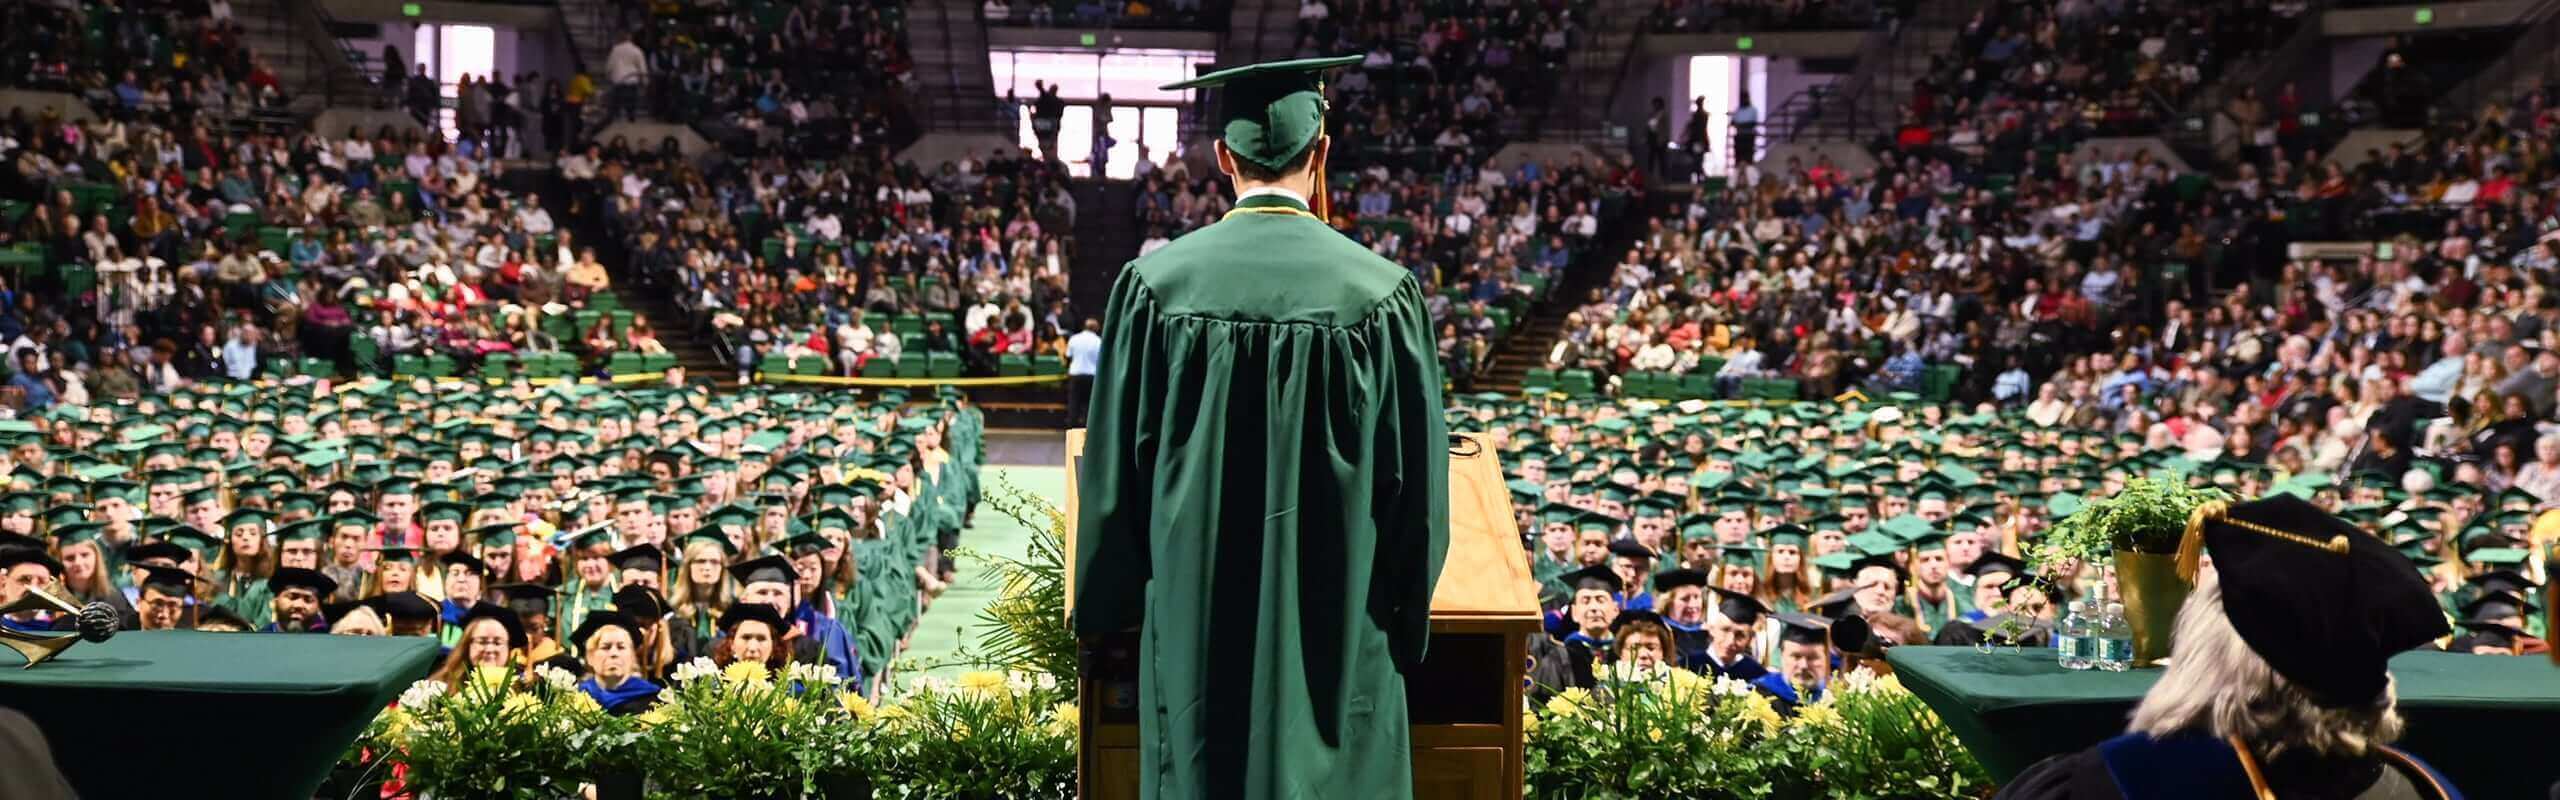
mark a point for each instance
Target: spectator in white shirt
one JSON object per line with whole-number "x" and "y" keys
{"x": 532, "y": 217}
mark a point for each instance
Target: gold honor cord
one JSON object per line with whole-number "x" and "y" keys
{"x": 2191, "y": 546}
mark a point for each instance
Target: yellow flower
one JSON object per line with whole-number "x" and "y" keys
{"x": 982, "y": 682}
{"x": 1820, "y": 715}
{"x": 657, "y": 716}
{"x": 1568, "y": 703}
{"x": 518, "y": 701}
{"x": 581, "y": 701}
{"x": 1062, "y": 720}
{"x": 1757, "y": 708}
{"x": 1653, "y": 733}
{"x": 750, "y": 672}
{"x": 855, "y": 704}
{"x": 395, "y": 723}
{"x": 489, "y": 676}
{"x": 1528, "y": 721}
{"x": 1889, "y": 684}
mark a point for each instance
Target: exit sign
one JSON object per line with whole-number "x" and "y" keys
{"x": 1087, "y": 40}
{"x": 411, "y": 10}
{"x": 2423, "y": 16}
{"x": 1742, "y": 43}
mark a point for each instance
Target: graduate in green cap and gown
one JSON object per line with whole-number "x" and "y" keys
{"x": 1264, "y": 484}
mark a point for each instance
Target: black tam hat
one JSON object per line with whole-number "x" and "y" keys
{"x": 2326, "y": 604}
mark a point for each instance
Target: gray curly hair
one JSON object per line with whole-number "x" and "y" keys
{"x": 2215, "y": 684}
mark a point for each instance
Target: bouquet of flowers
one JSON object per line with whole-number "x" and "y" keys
{"x": 742, "y": 731}
{"x": 1672, "y": 734}
{"x": 497, "y": 737}
{"x": 1647, "y": 733}
{"x": 1868, "y": 738}
{"x": 986, "y": 735}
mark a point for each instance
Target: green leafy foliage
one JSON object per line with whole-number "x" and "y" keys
{"x": 2148, "y": 516}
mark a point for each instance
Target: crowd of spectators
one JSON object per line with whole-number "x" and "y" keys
{"x": 1209, "y": 15}
{"x": 1710, "y": 16}
{"x": 814, "y": 76}
{"x": 138, "y": 58}
{"x": 152, "y": 257}
{"x": 1443, "y": 85}
{"x": 2056, "y": 71}
{"x": 2111, "y": 293}
{"x": 848, "y": 261}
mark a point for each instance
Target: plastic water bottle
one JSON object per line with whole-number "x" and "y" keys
{"x": 2114, "y": 638}
{"x": 2071, "y": 637}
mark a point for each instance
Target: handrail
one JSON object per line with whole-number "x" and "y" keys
{"x": 2267, "y": 73}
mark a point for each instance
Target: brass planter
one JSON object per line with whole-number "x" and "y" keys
{"x": 2153, "y": 592}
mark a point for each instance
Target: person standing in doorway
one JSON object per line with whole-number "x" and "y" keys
{"x": 1047, "y": 112}
{"x": 1084, "y": 356}
{"x": 1746, "y": 133}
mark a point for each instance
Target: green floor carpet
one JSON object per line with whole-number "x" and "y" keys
{"x": 953, "y": 619}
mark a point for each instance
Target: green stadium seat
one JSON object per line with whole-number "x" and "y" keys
{"x": 623, "y": 362}
{"x": 1048, "y": 365}
{"x": 911, "y": 365}
{"x": 497, "y": 365}
{"x": 942, "y": 365}
{"x": 319, "y": 368}
{"x": 1011, "y": 366}
{"x": 1538, "y": 381}
{"x": 657, "y": 362}
{"x": 1700, "y": 385}
{"x": 908, "y": 326}
{"x": 1577, "y": 382}
{"x": 879, "y": 368}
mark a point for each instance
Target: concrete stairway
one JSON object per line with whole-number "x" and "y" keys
{"x": 1579, "y": 109}
{"x": 955, "y": 88}
{"x": 290, "y": 37}
{"x": 1881, "y": 86}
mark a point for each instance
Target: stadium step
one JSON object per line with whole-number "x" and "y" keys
{"x": 1527, "y": 348}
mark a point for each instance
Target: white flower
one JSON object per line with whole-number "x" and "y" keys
{"x": 558, "y": 679}
{"x": 689, "y": 671}
{"x": 931, "y": 684}
{"x": 1860, "y": 680}
{"x": 1733, "y": 688}
{"x": 421, "y": 694}
{"x": 807, "y": 674}
{"x": 1018, "y": 681}
{"x": 1048, "y": 682}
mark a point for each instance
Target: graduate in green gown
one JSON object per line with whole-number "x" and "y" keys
{"x": 1264, "y": 490}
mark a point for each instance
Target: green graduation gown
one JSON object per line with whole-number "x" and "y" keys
{"x": 1264, "y": 486}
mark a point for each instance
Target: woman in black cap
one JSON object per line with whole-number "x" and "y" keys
{"x": 609, "y": 642}
{"x": 2279, "y": 684}
{"x": 492, "y": 636}
{"x": 751, "y": 632}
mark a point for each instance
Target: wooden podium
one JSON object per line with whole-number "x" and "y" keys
{"x": 1464, "y": 700}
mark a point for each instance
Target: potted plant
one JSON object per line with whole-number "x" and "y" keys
{"x": 744, "y": 733}
{"x": 2139, "y": 531}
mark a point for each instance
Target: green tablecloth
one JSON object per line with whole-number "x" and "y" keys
{"x": 231, "y": 715}
{"x": 2484, "y": 721}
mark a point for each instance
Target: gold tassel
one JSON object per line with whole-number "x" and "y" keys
{"x": 2191, "y": 544}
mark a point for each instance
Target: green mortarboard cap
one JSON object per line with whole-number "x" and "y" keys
{"x": 596, "y": 536}
{"x": 1697, "y": 526}
{"x": 192, "y": 539}
{"x": 731, "y": 514}
{"x": 831, "y": 518}
{"x": 354, "y": 516}
{"x": 16, "y": 502}
{"x": 77, "y": 532}
{"x": 1843, "y": 563}
{"x": 309, "y": 529}
{"x": 244, "y": 516}
{"x": 1270, "y": 113}
{"x": 710, "y": 535}
{"x": 400, "y": 553}
{"x": 498, "y": 535}
{"x": 1786, "y": 536}
{"x": 2497, "y": 556}
{"x": 1873, "y": 543}
{"x": 1594, "y": 521}
{"x": 443, "y": 510}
